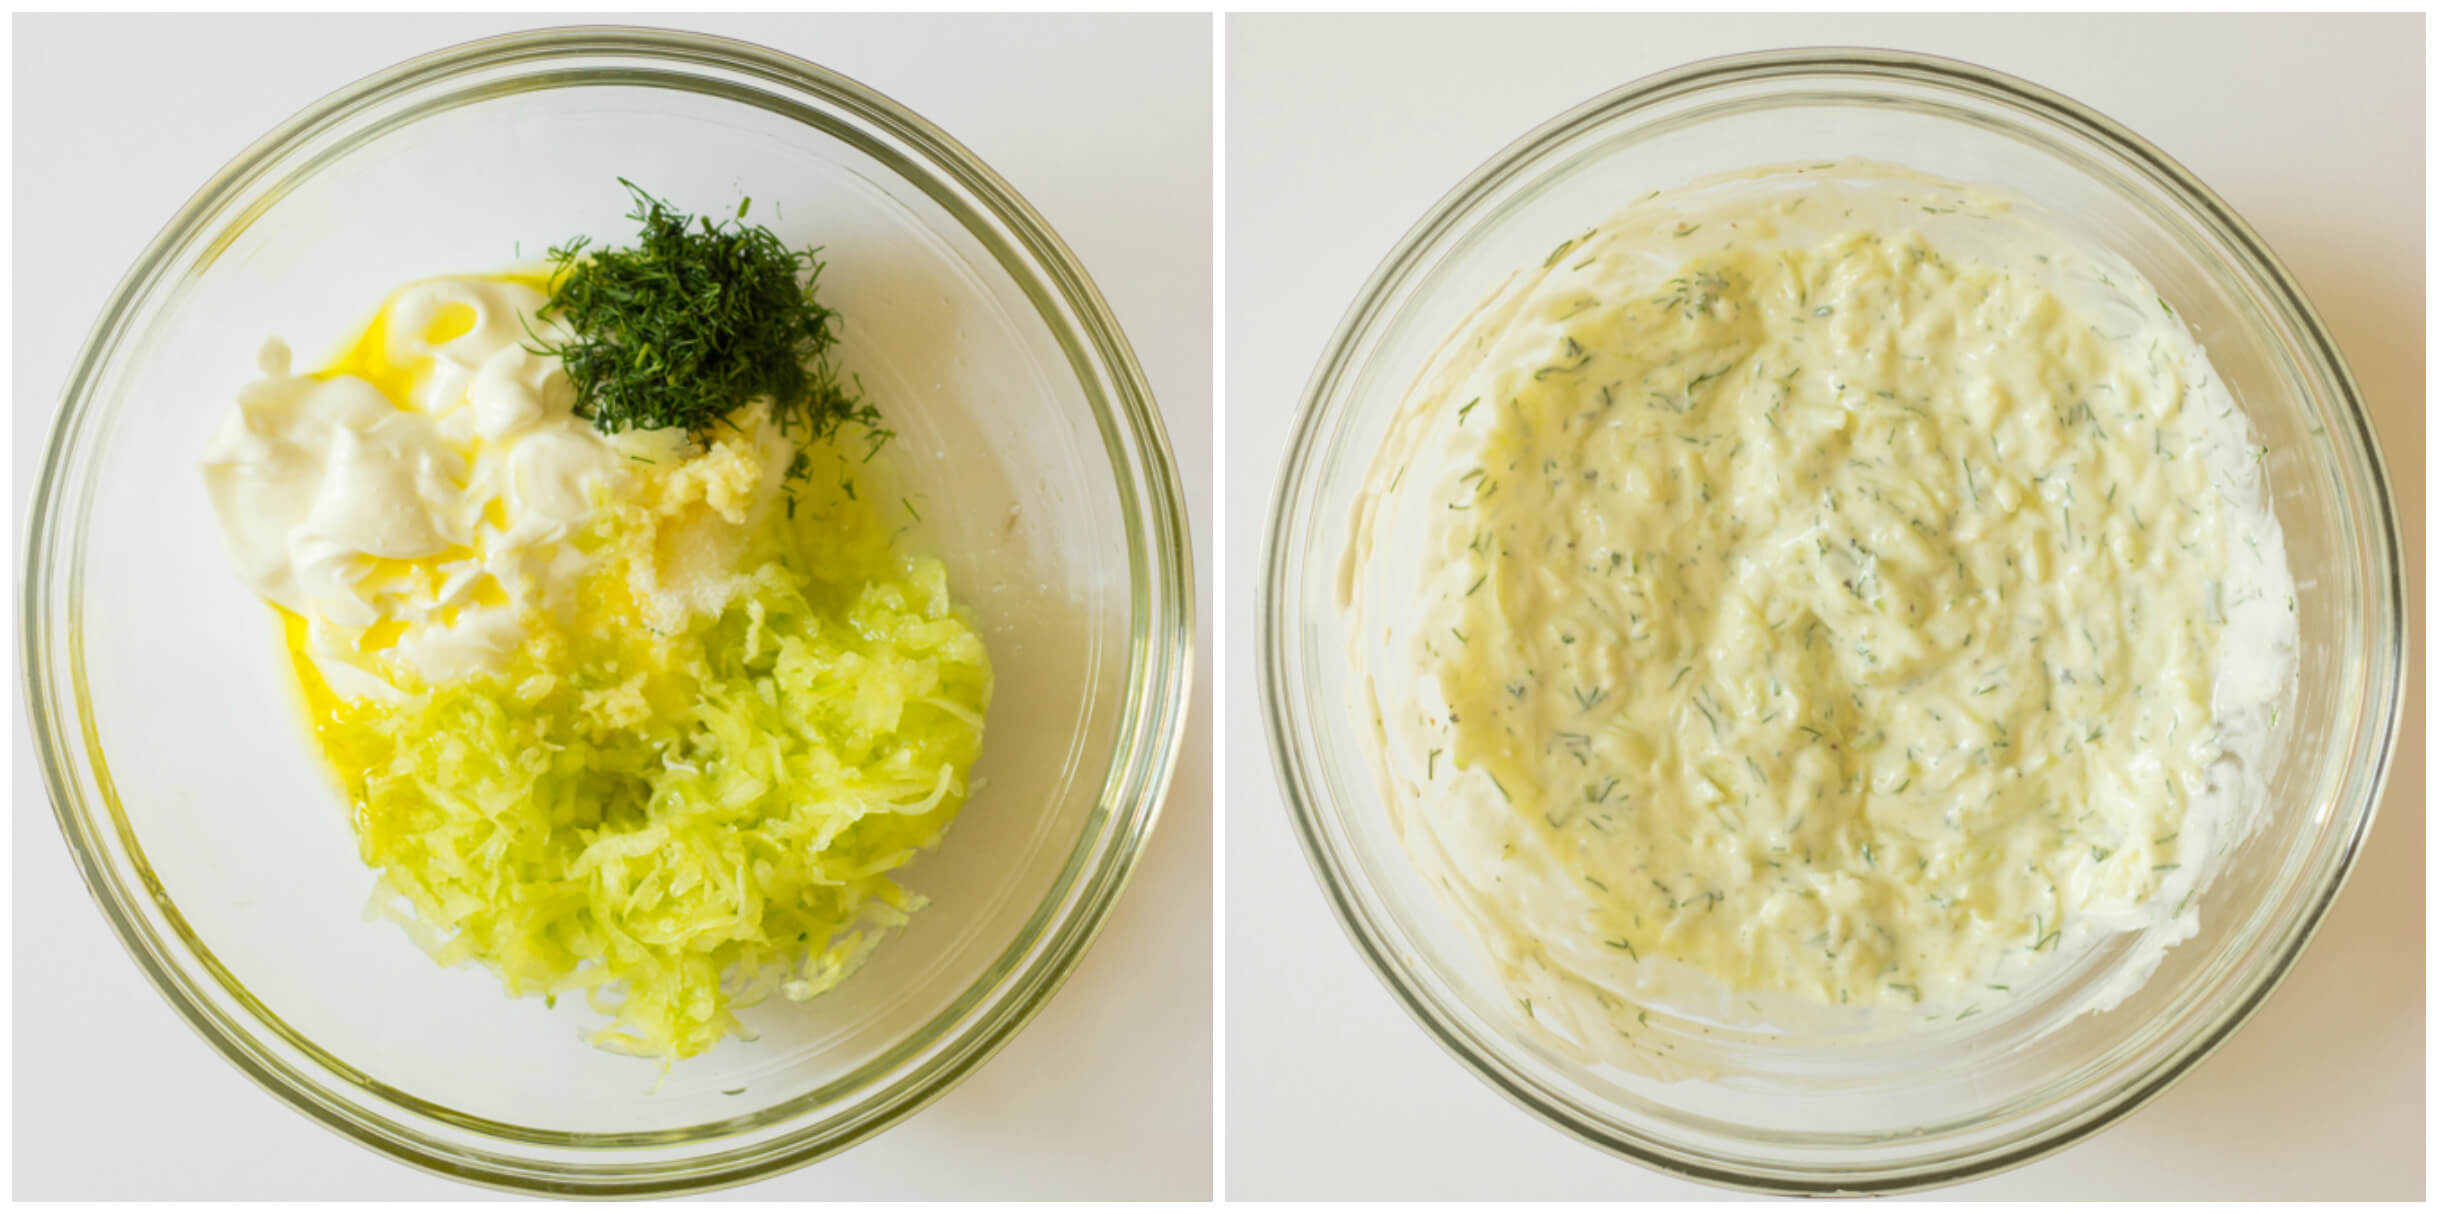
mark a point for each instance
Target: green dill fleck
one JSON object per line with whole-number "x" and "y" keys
{"x": 797, "y": 469}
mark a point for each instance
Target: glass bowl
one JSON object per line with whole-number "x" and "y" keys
{"x": 1772, "y": 1112}
{"x": 177, "y": 757}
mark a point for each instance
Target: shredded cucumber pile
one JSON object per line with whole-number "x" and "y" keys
{"x": 679, "y": 825}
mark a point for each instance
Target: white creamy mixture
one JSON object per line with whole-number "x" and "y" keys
{"x": 416, "y": 531}
{"x": 1818, "y": 587}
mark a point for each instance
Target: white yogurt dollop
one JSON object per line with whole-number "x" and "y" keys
{"x": 414, "y": 535}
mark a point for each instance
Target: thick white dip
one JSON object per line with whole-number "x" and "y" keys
{"x": 1818, "y": 589}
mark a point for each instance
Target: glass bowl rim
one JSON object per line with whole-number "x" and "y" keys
{"x": 1325, "y": 395}
{"x": 1147, "y": 736}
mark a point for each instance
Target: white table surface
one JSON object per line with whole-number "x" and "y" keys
{"x": 1341, "y": 132}
{"x": 1107, "y": 1093}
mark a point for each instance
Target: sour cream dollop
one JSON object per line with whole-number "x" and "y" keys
{"x": 414, "y": 536}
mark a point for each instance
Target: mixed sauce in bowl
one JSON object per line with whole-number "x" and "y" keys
{"x": 1823, "y": 592}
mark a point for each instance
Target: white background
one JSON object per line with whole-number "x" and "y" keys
{"x": 1342, "y": 132}
{"x": 1107, "y": 1093}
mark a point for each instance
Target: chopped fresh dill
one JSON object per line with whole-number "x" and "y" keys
{"x": 695, "y": 321}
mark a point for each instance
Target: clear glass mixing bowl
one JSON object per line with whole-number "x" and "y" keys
{"x": 177, "y": 758}
{"x": 1966, "y": 1098}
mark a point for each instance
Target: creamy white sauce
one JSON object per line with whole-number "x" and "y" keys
{"x": 1817, "y": 593}
{"x": 413, "y": 536}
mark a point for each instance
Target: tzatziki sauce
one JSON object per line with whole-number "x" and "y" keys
{"x": 1822, "y": 589}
